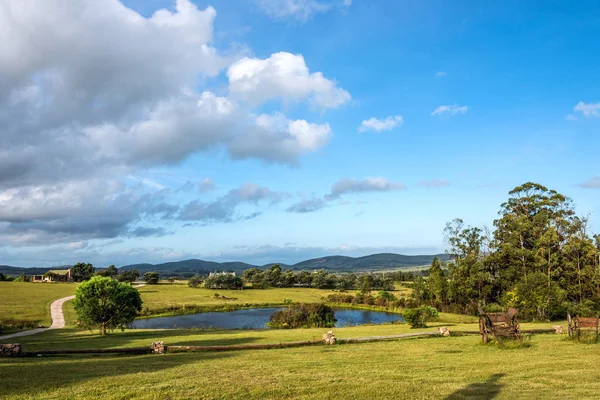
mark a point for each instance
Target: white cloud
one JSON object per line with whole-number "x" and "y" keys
{"x": 276, "y": 138}
{"x": 95, "y": 93}
{"x": 588, "y": 109}
{"x": 378, "y": 125}
{"x": 450, "y": 109}
{"x": 345, "y": 186}
{"x": 300, "y": 10}
{"x": 440, "y": 74}
{"x": 284, "y": 76}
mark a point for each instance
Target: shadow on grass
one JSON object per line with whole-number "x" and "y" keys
{"x": 485, "y": 390}
{"x": 73, "y": 339}
{"x": 33, "y": 376}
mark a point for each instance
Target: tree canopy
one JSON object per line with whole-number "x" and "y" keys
{"x": 105, "y": 303}
{"x": 540, "y": 258}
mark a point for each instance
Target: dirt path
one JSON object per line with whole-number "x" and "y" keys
{"x": 57, "y": 315}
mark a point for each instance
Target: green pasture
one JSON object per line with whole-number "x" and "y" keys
{"x": 452, "y": 368}
{"x": 31, "y": 301}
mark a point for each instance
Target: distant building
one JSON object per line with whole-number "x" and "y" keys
{"x": 211, "y": 274}
{"x": 54, "y": 275}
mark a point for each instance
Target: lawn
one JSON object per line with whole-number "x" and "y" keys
{"x": 454, "y": 368}
{"x": 31, "y": 301}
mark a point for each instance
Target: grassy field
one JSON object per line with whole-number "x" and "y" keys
{"x": 31, "y": 301}
{"x": 454, "y": 368}
{"x": 159, "y": 298}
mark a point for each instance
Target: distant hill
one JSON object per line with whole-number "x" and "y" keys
{"x": 373, "y": 262}
{"x": 187, "y": 268}
{"x": 18, "y": 271}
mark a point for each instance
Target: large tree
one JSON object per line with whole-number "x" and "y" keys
{"x": 82, "y": 272}
{"x": 105, "y": 303}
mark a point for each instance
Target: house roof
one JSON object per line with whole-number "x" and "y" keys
{"x": 59, "y": 271}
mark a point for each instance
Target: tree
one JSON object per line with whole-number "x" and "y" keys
{"x": 3, "y": 277}
{"x": 82, "y": 272}
{"x": 111, "y": 272}
{"x": 418, "y": 317}
{"x": 151, "y": 278}
{"x": 195, "y": 281}
{"x": 105, "y": 303}
{"x": 437, "y": 282}
{"x": 130, "y": 276}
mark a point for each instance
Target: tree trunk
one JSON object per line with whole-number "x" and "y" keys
{"x": 103, "y": 329}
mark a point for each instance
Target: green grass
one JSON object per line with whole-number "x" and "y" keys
{"x": 454, "y": 368}
{"x": 31, "y": 301}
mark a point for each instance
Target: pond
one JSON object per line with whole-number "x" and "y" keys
{"x": 256, "y": 318}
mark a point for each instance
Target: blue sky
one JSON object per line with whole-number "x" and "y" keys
{"x": 231, "y": 129}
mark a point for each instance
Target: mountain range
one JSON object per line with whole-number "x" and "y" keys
{"x": 186, "y": 268}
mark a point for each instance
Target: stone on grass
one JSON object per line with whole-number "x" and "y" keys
{"x": 10, "y": 350}
{"x": 329, "y": 338}
{"x": 444, "y": 331}
{"x": 558, "y": 329}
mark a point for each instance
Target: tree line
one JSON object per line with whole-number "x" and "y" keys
{"x": 540, "y": 258}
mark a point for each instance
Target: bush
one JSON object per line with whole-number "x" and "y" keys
{"x": 287, "y": 301}
{"x": 151, "y": 278}
{"x": 418, "y": 317}
{"x": 303, "y": 316}
{"x": 224, "y": 281}
{"x": 194, "y": 281}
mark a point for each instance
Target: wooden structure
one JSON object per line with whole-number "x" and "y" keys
{"x": 499, "y": 325}
{"x": 578, "y": 323}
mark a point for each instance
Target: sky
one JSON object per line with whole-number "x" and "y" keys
{"x": 280, "y": 130}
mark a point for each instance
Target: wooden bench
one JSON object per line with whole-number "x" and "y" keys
{"x": 499, "y": 325}
{"x": 579, "y": 323}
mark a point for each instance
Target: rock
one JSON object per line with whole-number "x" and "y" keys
{"x": 10, "y": 350}
{"x": 558, "y": 329}
{"x": 329, "y": 338}
{"x": 158, "y": 347}
{"x": 444, "y": 331}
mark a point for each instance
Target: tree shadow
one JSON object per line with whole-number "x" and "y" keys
{"x": 24, "y": 377}
{"x": 481, "y": 390}
{"x": 70, "y": 339}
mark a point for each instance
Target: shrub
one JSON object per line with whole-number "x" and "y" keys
{"x": 303, "y": 316}
{"x": 194, "y": 281}
{"x": 151, "y": 278}
{"x": 287, "y": 301}
{"x": 418, "y": 317}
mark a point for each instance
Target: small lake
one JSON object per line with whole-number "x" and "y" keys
{"x": 256, "y": 318}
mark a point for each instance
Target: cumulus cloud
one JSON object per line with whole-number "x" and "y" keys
{"x": 588, "y": 109}
{"x": 225, "y": 207}
{"x": 344, "y": 187}
{"x": 300, "y": 10}
{"x": 284, "y": 76}
{"x": 85, "y": 108}
{"x": 433, "y": 183}
{"x": 450, "y": 109}
{"x": 592, "y": 183}
{"x": 76, "y": 211}
{"x": 440, "y": 74}
{"x": 378, "y": 125}
{"x": 276, "y": 138}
